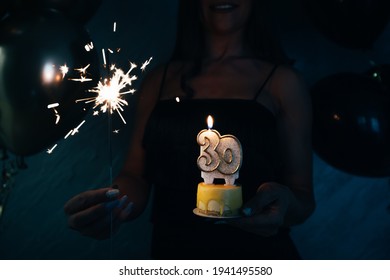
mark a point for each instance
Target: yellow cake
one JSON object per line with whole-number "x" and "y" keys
{"x": 219, "y": 200}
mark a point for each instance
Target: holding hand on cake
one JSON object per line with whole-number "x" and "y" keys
{"x": 273, "y": 207}
{"x": 289, "y": 199}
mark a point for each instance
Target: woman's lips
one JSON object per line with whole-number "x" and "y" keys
{"x": 223, "y": 7}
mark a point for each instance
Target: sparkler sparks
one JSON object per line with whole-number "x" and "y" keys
{"x": 89, "y": 47}
{"x": 53, "y": 106}
{"x": 76, "y": 130}
{"x": 146, "y": 63}
{"x": 82, "y": 79}
{"x": 64, "y": 70}
{"x": 49, "y": 151}
{"x": 83, "y": 71}
{"x": 83, "y": 74}
{"x": 110, "y": 91}
{"x": 58, "y": 117}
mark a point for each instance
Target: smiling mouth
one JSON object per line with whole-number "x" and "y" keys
{"x": 223, "y": 7}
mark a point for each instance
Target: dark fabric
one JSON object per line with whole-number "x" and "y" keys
{"x": 219, "y": 242}
{"x": 171, "y": 156}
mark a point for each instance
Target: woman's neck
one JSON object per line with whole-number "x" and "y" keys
{"x": 220, "y": 47}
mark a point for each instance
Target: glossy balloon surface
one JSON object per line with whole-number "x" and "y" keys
{"x": 34, "y": 52}
{"x": 351, "y": 124}
{"x": 354, "y": 24}
{"x": 78, "y": 10}
{"x": 381, "y": 73}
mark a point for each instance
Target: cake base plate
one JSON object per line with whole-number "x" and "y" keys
{"x": 198, "y": 213}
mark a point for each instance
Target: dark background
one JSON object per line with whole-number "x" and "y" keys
{"x": 352, "y": 219}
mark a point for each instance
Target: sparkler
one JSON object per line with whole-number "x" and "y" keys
{"x": 110, "y": 94}
{"x": 64, "y": 70}
{"x": 146, "y": 63}
{"x": 110, "y": 91}
{"x": 53, "y": 106}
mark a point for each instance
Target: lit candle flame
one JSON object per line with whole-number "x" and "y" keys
{"x": 210, "y": 122}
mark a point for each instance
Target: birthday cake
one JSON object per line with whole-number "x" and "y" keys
{"x": 219, "y": 200}
{"x": 220, "y": 158}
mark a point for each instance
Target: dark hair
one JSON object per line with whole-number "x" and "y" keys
{"x": 190, "y": 39}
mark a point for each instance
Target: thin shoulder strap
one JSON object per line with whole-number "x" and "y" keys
{"x": 163, "y": 81}
{"x": 265, "y": 82}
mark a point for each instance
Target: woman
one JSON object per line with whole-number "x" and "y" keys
{"x": 225, "y": 65}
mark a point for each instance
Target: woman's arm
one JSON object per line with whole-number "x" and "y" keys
{"x": 294, "y": 128}
{"x": 131, "y": 181}
{"x": 290, "y": 200}
{"x": 92, "y": 212}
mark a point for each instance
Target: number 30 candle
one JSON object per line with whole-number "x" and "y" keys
{"x": 220, "y": 156}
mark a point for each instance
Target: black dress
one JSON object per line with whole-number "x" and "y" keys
{"x": 171, "y": 156}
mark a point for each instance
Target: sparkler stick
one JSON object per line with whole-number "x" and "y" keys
{"x": 106, "y": 58}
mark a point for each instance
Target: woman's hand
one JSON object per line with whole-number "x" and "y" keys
{"x": 97, "y": 213}
{"x": 265, "y": 213}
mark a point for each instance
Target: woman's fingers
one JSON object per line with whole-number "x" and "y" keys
{"x": 88, "y": 199}
{"x": 264, "y": 213}
{"x": 88, "y": 216}
{"x": 97, "y": 213}
{"x": 101, "y": 220}
{"x": 102, "y": 228}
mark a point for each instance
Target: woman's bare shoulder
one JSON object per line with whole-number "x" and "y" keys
{"x": 290, "y": 90}
{"x": 151, "y": 81}
{"x": 288, "y": 82}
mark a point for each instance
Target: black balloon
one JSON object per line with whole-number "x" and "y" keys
{"x": 79, "y": 10}
{"x": 351, "y": 124}
{"x": 381, "y": 73}
{"x": 354, "y": 24}
{"x": 3, "y": 10}
{"x": 33, "y": 50}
